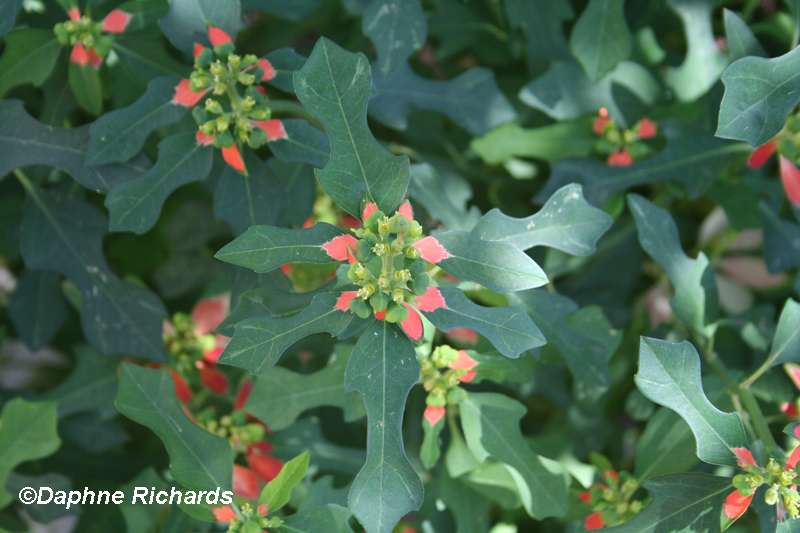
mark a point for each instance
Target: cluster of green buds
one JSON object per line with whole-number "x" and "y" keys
{"x": 253, "y": 522}
{"x": 780, "y": 482}
{"x": 184, "y": 345}
{"x": 388, "y": 269}
{"x": 86, "y": 32}
{"x": 220, "y": 71}
{"x": 233, "y": 427}
{"x": 612, "y": 501}
{"x": 442, "y": 371}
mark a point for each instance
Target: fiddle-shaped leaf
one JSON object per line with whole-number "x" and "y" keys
{"x": 499, "y": 266}
{"x": 280, "y": 396}
{"x": 259, "y": 342}
{"x": 284, "y": 62}
{"x": 29, "y": 57}
{"x": 65, "y": 234}
{"x": 491, "y": 427}
{"x": 585, "y": 356}
{"x": 297, "y": 140}
{"x": 383, "y": 367}
{"x": 692, "y": 158}
{"x": 136, "y": 205}
{"x": 264, "y": 248}
{"x": 335, "y": 85}
{"x": 696, "y": 300}
{"x": 472, "y": 100}
{"x": 786, "y": 345}
{"x": 199, "y": 459}
{"x": 542, "y": 22}
{"x": 600, "y": 38}
{"x": 188, "y": 20}
{"x": 397, "y": 28}
{"x": 759, "y": 93}
{"x": 550, "y": 143}
{"x": 28, "y": 432}
{"x": 120, "y": 134}
{"x": 510, "y": 329}
{"x": 24, "y": 141}
{"x": 741, "y": 41}
{"x": 669, "y": 374}
{"x": 267, "y": 303}
{"x": 565, "y": 222}
{"x": 686, "y": 503}
{"x": 325, "y": 519}
{"x": 38, "y": 308}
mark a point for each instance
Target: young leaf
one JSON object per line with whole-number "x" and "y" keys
{"x": 302, "y": 142}
{"x": 681, "y": 502}
{"x": 508, "y": 328}
{"x": 136, "y": 205}
{"x": 549, "y": 143}
{"x": 65, "y": 234}
{"x": 541, "y": 21}
{"x": 491, "y": 426}
{"x": 703, "y": 62}
{"x": 565, "y": 222}
{"x": 252, "y": 200}
{"x": 29, "y": 57}
{"x": 284, "y": 62}
{"x": 325, "y": 519}
{"x": 38, "y": 308}
{"x": 120, "y": 134}
{"x": 24, "y": 141}
{"x": 397, "y": 28}
{"x": 280, "y": 396}
{"x": 600, "y": 38}
{"x": 741, "y": 41}
{"x": 472, "y": 100}
{"x": 669, "y": 374}
{"x": 86, "y": 85}
{"x": 28, "y": 433}
{"x": 276, "y": 494}
{"x": 188, "y": 20}
{"x": 759, "y": 93}
{"x": 585, "y": 355}
{"x": 335, "y": 85}
{"x": 199, "y": 459}
{"x": 499, "y": 266}
{"x": 786, "y": 345}
{"x": 696, "y": 300}
{"x": 383, "y": 367}
{"x": 259, "y": 342}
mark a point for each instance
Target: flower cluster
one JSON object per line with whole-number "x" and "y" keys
{"x": 622, "y": 147}
{"x": 89, "y": 39}
{"x": 612, "y": 502}
{"x": 254, "y": 519}
{"x": 787, "y": 144}
{"x": 440, "y": 375}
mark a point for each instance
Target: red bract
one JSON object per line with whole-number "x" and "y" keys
{"x": 735, "y": 506}
{"x": 81, "y": 56}
{"x": 74, "y": 14}
{"x": 245, "y": 483}
{"x": 599, "y": 125}
{"x": 647, "y": 129}
{"x": 790, "y": 176}
{"x": 182, "y": 389}
{"x": 745, "y": 457}
{"x": 593, "y": 521}
{"x": 620, "y": 158}
{"x": 185, "y": 96}
{"x": 242, "y": 394}
{"x": 232, "y": 156}
{"x": 266, "y": 466}
{"x": 790, "y": 409}
{"x": 433, "y": 414}
{"x": 212, "y": 378}
{"x": 116, "y": 21}
{"x": 761, "y": 154}
{"x": 464, "y": 335}
{"x": 273, "y": 128}
{"x": 218, "y": 36}
{"x": 209, "y": 313}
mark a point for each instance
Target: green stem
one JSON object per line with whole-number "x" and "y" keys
{"x": 758, "y": 373}
{"x": 237, "y": 511}
{"x": 293, "y": 108}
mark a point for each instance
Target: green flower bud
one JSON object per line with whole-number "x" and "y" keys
{"x": 740, "y": 481}
{"x": 419, "y": 285}
{"x": 363, "y": 251}
{"x": 204, "y": 58}
{"x": 360, "y": 308}
{"x": 223, "y": 50}
{"x": 234, "y": 60}
{"x": 262, "y": 113}
{"x": 379, "y": 301}
{"x": 250, "y": 527}
{"x": 456, "y": 396}
{"x": 103, "y": 46}
{"x": 398, "y": 224}
{"x": 246, "y": 79}
{"x": 396, "y": 312}
{"x": 435, "y": 400}
{"x": 199, "y": 115}
{"x": 255, "y": 94}
{"x": 223, "y": 140}
{"x": 208, "y": 127}
{"x": 371, "y": 223}
{"x": 258, "y": 138}
{"x": 61, "y": 33}
{"x": 351, "y": 272}
{"x": 221, "y": 124}
{"x": 415, "y": 266}
{"x": 248, "y": 103}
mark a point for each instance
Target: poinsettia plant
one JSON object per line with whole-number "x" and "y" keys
{"x": 399, "y": 266}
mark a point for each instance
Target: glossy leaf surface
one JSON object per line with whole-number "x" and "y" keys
{"x": 600, "y": 38}
{"x": 284, "y": 62}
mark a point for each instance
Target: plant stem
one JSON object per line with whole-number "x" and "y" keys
{"x": 758, "y": 373}
{"x": 293, "y": 108}
{"x": 237, "y": 511}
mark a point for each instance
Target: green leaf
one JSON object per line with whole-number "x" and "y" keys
{"x": 298, "y": 180}
{"x": 335, "y": 85}
{"x": 24, "y": 141}
{"x": 541, "y": 21}
{"x": 65, "y": 234}
{"x": 444, "y": 194}
{"x": 294, "y": 11}
{"x": 326, "y": 519}
{"x": 142, "y": 518}
{"x": 187, "y": 21}
{"x": 566, "y": 222}
{"x": 565, "y": 92}
{"x": 38, "y": 308}
{"x": 8, "y": 14}
{"x": 306, "y": 435}
{"x": 585, "y": 356}
{"x": 508, "y": 328}
{"x": 741, "y": 41}
{"x": 669, "y": 374}
{"x": 600, "y": 38}
{"x": 252, "y": 200}
{"x": 280, "y": 396}
{"x": 469, "y": 509}
{"x": 28, "y": 433}
{"x": 397, "y": 28}
{"x": 264, "y": 248}
{"x": 549, "y": 143}
{"x": 472, "y": 100}
{"x": 303, "y": 142}
{"x": 383, "y": 367}
{"x": 276, "y": 493}
{"x": 284, "y": 62}
{"x": 696, "y": 300}
{"x": 704, "y": 62}
{"x": 321, "y": 492}
{"x": 199, "y": 460}
{"x": 759, "y": 93}
{"x": 136, "y": 205}
{"x": 145, "y": 56}
{"x": 692, "y": 157}
{"x": 781, "y": 240}
{"x": 499, "y": 266}
{"x": 91, "y": 387}
{"x": 86, "y": 85}
{"x": 259, "y": 342}
{"x": 120, "y": 134}
{"x": 42, "y": 513}
{"x": 29, "y": 57}
{"x": 689, "y": 503}
{"x": 491, "y": 426}
{"x": 786, "y": 345}
{"x": 429, "y": 450}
